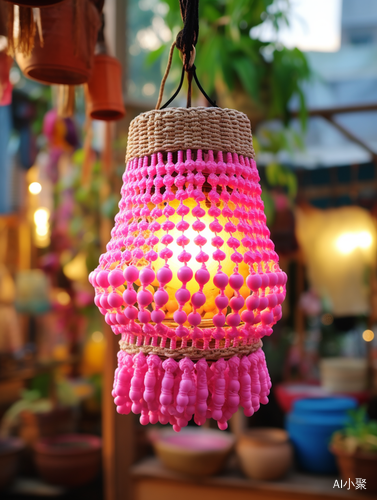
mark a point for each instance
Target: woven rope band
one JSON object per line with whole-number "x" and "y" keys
{"x": 179, "y": 129}
{"x": 191, "y": 352}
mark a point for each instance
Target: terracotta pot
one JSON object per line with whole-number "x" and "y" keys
{"x": 34, "y": 3}
{"x": 69, "y": 40}
{"x": 343, "y": 375}
{"x": 69, "y": 459}
{"x": 104, "y": 96}
{"x": 197, "y": 452}
{"x": 38, "y": 425}
{"x": 359, "y": 464}
{"x": 9, "y": 451}
{"x": 265, "y": 453}
{"x": 5, "y": 85}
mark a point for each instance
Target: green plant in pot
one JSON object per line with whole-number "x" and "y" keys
{"x": 355, "y": 448}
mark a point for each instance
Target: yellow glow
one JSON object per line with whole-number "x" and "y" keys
{"x": 365, "y": 239}
{"x": 41, "y": 216}
{"x": 368, "y": 335}
{"x": 76, "y": 268}
{"x": 346, "y": 243}
{"x": 227, "y": 266}
{"x": 97, "y": 336}
{"x": 35, "y": 188}
{"x": 63, "y": 298}
{"x": 42, "y": 230}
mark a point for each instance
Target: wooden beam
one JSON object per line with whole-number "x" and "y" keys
{"x": 339, "y": 110}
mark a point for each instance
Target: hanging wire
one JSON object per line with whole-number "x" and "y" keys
{"x": 185, "y": 42}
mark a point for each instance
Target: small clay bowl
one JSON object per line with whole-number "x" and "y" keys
{"x": 265, "y": 453}
{"x": 196, "y": 452}
{"x": 68, "y": 459}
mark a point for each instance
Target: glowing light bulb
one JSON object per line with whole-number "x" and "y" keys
{"x": 41, "y": 216}
{"x": 368, "y": 335}
{"x": 35, "y": 188}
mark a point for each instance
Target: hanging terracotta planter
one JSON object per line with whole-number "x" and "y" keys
{"x": 35, "y": 3}
{"x": 67, "y": 52}
{"x": 104, "y": 96}
{"x": 5, "y": 85}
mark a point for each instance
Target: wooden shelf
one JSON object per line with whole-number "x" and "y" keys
{"x": 152, "y": 480}
{"x": 35, "y": 369}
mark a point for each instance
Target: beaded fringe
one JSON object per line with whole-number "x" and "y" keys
{"x": 172, "y": 392}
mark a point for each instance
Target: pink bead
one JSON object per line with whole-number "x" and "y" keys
{"x": 198, "y": 299}
{"x": 157, "y": 316}
{"x": 144, "y": 298}
{"x": 254, "y": 282}
{"x": 131, "y": 312}
{"x": 180, "y": 317}
{"x": 115, "y": 300}
{"x": 103, "y": 301}
{"x": 164, "y": 275}
{"x": 129, "y": 297}
{"x": 202, "y": 276}
{"x": 247, "y": 317}
{"x": 144, "y": 316}
{"x": 185, "y": 274}
{"x": 273, "y": 279}
{"x": 161, "y": 297}
{"x": 131, "y": 274}
{"x": 220, "y": 280}
{"x": 108, "y": 319}
{"x": 267, "y": 317}
{"x": 272, "y": 300}
{"x": 116, "y": 278}
{"x": 194, "y": 319}
{"x": 236, "y": 281}
{"x": 252, "y": 302}
{"x": 219, "y": 320}
{"x": 146, "y": 276}
{"x": 97, "y": 300}
{"x": 263, "y": 303}
{"x": 281, "y": 278}
{"x": 182, "y": 295}
{"x": 265, "y": 280}
{"x": 102, "y": 279}
{"x": 237, "y": 303}
{"x": 121, "y": 319}
{"x": 221, "y": 302}
{"x": 233, "y": 319}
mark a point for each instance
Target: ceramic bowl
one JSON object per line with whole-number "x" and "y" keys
{"x": 197, "y": 452}
{"x": 68, "y": 459}
{"x": 265, "y": 453}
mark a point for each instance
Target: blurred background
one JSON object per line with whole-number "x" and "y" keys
{"x": 305, "y": 73}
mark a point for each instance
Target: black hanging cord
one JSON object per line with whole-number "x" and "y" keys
{"x": 176, "y": 92}
{"x": 186, "y": 40}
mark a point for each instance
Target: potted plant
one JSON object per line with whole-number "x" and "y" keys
{"x": 355, "y": 448}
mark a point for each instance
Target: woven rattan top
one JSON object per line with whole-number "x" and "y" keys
{"x": 179, "y": 129}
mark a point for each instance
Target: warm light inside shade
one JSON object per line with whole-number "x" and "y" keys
{"x": 35, "y": 188}
{"x": 227, "y": 266}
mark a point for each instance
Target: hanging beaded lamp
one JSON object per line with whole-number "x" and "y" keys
{"x": 190, "y": 279}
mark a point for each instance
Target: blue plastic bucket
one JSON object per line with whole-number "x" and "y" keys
{"x": 311, "y": 424}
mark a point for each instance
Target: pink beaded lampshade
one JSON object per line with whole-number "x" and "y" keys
{"x": 190, "y": 280}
